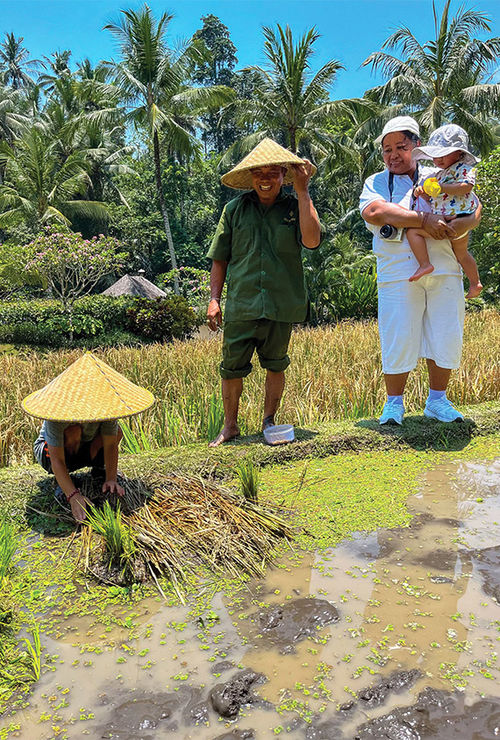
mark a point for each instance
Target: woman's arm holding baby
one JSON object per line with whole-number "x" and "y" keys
{"x": 466, "y": 223}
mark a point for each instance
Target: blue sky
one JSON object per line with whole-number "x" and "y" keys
{"x": 350, "y": 29}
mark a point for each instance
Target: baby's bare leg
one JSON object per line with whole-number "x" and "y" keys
{"x": 469, "y": 265}
{"x": 416, "y": 240}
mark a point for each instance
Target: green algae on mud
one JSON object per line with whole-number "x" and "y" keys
{"x": 332, "y": 495}
{"x": 338, "y": 495}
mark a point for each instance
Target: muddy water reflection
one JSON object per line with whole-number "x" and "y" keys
{"x": 418, "y": 611}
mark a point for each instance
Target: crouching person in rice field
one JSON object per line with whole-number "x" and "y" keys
{"x": 257, "y": 248}
{"x": 80, "y": 409}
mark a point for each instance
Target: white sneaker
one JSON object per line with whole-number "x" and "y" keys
{"x": 442, "y": 410}
{"x": 392, "y": 413}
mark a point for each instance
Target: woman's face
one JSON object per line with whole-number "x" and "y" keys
{"x": 396, "y": 151}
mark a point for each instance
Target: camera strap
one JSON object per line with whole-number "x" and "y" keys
{"x": 414, "y": 180}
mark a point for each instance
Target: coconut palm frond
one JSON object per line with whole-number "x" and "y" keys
{"x": 89, "y": 209}
{"x": 204, "y": 98}
{"x": 434, "y": 78}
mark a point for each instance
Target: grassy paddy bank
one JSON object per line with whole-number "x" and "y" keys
{"x": 339, "y": 479}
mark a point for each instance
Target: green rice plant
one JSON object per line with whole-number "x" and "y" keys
{"x": 169, "y": 427}
{"x": 33, "y": 654}
{"x": 248, "y": 475}
{"x": 27, "y": 664}
{"x": 8, "y": 547}
{"x": 118, "y": 541}
{"x": 214, "y": 419}
{"x": 133, "y": 442}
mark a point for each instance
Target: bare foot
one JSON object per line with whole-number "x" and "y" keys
{"x": 268, "y": 421}
{"x": 474, "y": 290}
{"x": 422, "y": 270}
{"x": 227, "y": 434}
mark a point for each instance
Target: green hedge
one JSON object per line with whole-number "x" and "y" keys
{"x": 97, "y": 320}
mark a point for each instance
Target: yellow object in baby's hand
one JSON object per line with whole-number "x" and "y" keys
{"x": 432, "y": 187}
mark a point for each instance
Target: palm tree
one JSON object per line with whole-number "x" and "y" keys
{"x": 9, "y": 112}
{"x": 58, "y": 70}
{"x": 294, "y": 99}
{"x": 151, "y": 79}
{"x": 12, "y": 119}
{"x": 41, "y": 188}
{"x": 14, "y": 63}
{"x": 444, "y": 79}
{"x": 289, "y": 102}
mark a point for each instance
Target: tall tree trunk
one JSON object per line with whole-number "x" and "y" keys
{"x": 68, "y": 310}
{"x": 163, "y": 209}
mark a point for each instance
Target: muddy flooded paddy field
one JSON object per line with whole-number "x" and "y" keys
{"x": 391, "y": 634}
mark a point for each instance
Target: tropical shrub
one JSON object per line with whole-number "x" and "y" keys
{"x": 162, "y": 319}
{"x": 485, "y": 239}
{"x": 341, "y": 281}
{"x": 194, "y": 285}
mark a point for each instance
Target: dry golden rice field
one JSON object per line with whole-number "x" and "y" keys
{"x": 335, "y": 374}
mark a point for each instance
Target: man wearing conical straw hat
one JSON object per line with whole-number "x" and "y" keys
{"x": 257, "y": 249}
{"x": 80, "y": 409}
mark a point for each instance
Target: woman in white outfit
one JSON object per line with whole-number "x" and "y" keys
{"x": 416, "y": 319}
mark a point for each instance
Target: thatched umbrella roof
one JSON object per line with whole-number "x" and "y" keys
{"x": 134, "y": 285}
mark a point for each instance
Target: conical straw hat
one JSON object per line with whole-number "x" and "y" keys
{"x": 88, "y": 390}
{"x": 266, "y": 153}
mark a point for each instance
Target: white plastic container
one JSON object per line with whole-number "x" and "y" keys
{"x": 279, "y": 434}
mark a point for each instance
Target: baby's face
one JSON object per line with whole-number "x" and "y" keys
{"x": 448, "y": 160}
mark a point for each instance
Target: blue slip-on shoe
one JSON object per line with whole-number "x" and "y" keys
{"x": 392, "y": 413}
{"x": 442, "y": 410}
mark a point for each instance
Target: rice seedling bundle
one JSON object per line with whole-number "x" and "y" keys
{"x": 180, "y": 525}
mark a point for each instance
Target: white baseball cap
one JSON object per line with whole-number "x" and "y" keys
{"x": 400, "y": 123}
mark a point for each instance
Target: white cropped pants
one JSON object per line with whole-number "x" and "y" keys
{"x": 421, "y": 319}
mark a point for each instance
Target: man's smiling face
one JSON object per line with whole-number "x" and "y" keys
{"x": 267, "y": 182}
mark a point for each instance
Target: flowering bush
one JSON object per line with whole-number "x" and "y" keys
{"x": 70, "y": 265}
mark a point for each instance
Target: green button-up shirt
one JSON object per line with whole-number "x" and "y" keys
{"x": 262, "y": 246}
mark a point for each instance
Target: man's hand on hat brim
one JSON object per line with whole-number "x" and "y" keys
{"x": 301, "y": 176}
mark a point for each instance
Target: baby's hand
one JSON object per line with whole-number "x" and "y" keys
{"x": 419, "y": 192}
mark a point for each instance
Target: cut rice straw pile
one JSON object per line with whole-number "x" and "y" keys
{"x": 189, "y": 522}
